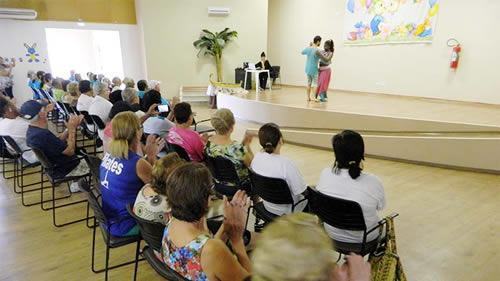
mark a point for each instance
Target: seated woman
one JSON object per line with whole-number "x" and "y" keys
{"x": 347, "y": 181}
{"x": 221, "y": 144}
{"x": 289, "y": 236}
{"x": 72, "y": 95}
{"x": 185, "y": 137}
{"x": 151, "y": 202}
{"x": 263, "y": 64}
{"x": 269, "y": 163}
{"x": 159, "y": 124}
{"x": 123, "y": 172}
{"x": 188, "y": 247}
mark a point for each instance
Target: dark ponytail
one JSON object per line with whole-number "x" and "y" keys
{"x": 349, "y": 150}
{"x": 269, "y": 137}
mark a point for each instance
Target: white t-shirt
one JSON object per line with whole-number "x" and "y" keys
{"x": 278, "y": 166}
{"x": 84, "y": 102}
{"x": 100, "y": 107}
{"x": 366, "y": 190}
{"x": 16, "y": 128}
{"x": 158, "y": 126}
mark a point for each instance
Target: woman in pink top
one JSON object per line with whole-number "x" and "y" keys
{"x": 183, "y": 136}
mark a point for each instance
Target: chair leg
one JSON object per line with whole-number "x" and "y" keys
{"x": 54, "y": 207}
{"x": 106, "y": 263}
{"x": 137, "y": 253}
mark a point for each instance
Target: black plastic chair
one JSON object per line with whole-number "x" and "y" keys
{"x": 226, "y": 178}
{"x": 50, "y": 171}
{"x": 7, "y": 158}
{"x": 276, "y": 73}
{"x": 272, "y": 190}
{"x": 172, "y": 147}
{"x": 198, "y": 127}
{"x": 152, "y": 233}
{"x": 347, "y": 215}
{"x": 20, "y": 170}
{"x": 89, "y": 131}
{"x": 111, "y": 242}
{"x": 98, "y": 122}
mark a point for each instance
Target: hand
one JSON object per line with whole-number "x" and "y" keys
{"x": 205, "y": 137}
{"x": 235, "y": 215}
{"x": 354, "y": 269}
{"x": 247, "y": 139}
{"x": 175, "y": 100}
{"x": 153, "y": 146}
{"x": 73, "y": 122}
{"x": 152, "y": 110}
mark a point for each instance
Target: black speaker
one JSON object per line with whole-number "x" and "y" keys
{"x": 239, "y": 77}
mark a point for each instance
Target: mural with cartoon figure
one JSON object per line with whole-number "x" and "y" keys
{"x": 32, "y": 54}
{"x": 390, "y": 21}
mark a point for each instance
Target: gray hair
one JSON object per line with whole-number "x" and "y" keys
{"x": 129, "y": 82}
{"x": 128, "y": 95}
{"x": 100, "y": 88}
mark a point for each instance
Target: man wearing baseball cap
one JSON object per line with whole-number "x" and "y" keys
{"x": 59, "y": 150}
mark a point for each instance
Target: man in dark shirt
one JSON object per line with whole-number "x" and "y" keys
{"x": 60, "y": 151}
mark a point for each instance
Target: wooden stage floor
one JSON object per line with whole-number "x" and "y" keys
{"x": 388, "y": 105}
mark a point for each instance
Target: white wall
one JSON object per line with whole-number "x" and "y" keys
{"x": 14, "y": 34}
{"x": 170, "y": 28}
{"x": 412, "y": 70}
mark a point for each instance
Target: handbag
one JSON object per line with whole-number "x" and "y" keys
{"x": 385, "y": 263}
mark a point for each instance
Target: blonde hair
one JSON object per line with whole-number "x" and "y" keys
{"x": 125, "y": 126}
{"x": 162, "y": 169}
{"x": 72, "y": 88}
{"x": 222, "y": 121}
{"x": 129, "y": 82}
{"x": 292, "y": 248}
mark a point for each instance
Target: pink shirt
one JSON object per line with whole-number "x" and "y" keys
{"x": 189, "y": 140}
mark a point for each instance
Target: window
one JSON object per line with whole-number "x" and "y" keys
{"x": 97, "y": 51}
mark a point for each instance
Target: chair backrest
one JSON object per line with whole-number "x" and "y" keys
{"x": 94, "y": 203}
{"x": 4, "y": 152}
{"x": 97, "y": 120}
{"x": 223, "y": 169}
{"x": 272, "y": 190}
{"x": 275, "y": 71}
{"x": 40, "y": 155}
{"x": 337, "y": 212}
{"x": 172, "y": 147}
{"x": 151, "y": 232}
{"x": 94, "y": 164}
{"x": 13, "y": 144}
{"x": 36, "y": 94}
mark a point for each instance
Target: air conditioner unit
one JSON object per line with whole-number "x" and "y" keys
{"x": 18, "y": 14}
{"x": 218, "y": 11}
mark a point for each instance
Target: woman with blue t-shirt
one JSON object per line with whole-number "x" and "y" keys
{"x": 123, "y": 172}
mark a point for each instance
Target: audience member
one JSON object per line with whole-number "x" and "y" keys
{"x": 151, "y": 202}
{"x": 157, "y": 125}
{"x": 115, "y": 96}
{"x": 129, "y": 95}
{"x": 11, "y": 124}
{"x": 188, "y": 246}
{"x": 78, "y": 77}
{"x": 72, "y": 75}
{"x": 182, "y": 134}
{"x": 128, "y": 82}
{"x": 123, "y": 172}
{"x": 86, "y": 96}
{"x": 6, "y": 82}
{"x": 72, "y": 95}
{"x": 308, "y": 252}
{"x": 101, "y": 106}
{"x": 221, "y": 144}
{"x": 107, "y": 134}
{"x": 57, "y": 89}
{"x": 347, "y": 181}
{"x": 142, "y": 88}
{"x": 117, "y": 84}
{"x": 60, "y": 151}
{"x": 47, "y": 83}
{"x": 270, "y": 163}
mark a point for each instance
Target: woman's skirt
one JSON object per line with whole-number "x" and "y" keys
{"x": 323, "y": 80}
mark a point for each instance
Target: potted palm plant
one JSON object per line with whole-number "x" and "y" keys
{"x": 212, "y": 44}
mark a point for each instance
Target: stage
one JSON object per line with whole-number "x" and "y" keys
{"x": 434, "y": 132}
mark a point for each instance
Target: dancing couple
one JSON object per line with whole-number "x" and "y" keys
{"x": 318, "y": 69}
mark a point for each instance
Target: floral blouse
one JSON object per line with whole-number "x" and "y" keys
{"x": 235, "y": 152}
{"x": 185, "y": 260}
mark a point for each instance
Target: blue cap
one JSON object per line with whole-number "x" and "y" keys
{"x": 31, "y": 108}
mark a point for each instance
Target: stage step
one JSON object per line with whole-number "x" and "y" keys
{"x": 193, "y": 94}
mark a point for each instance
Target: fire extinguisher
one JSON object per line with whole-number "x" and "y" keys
{"x": 455, "y": 53}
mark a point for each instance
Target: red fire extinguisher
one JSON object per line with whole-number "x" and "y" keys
{"x": 455, "y": 54}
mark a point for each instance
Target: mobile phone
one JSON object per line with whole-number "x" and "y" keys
{"x": 163, "y": 108}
